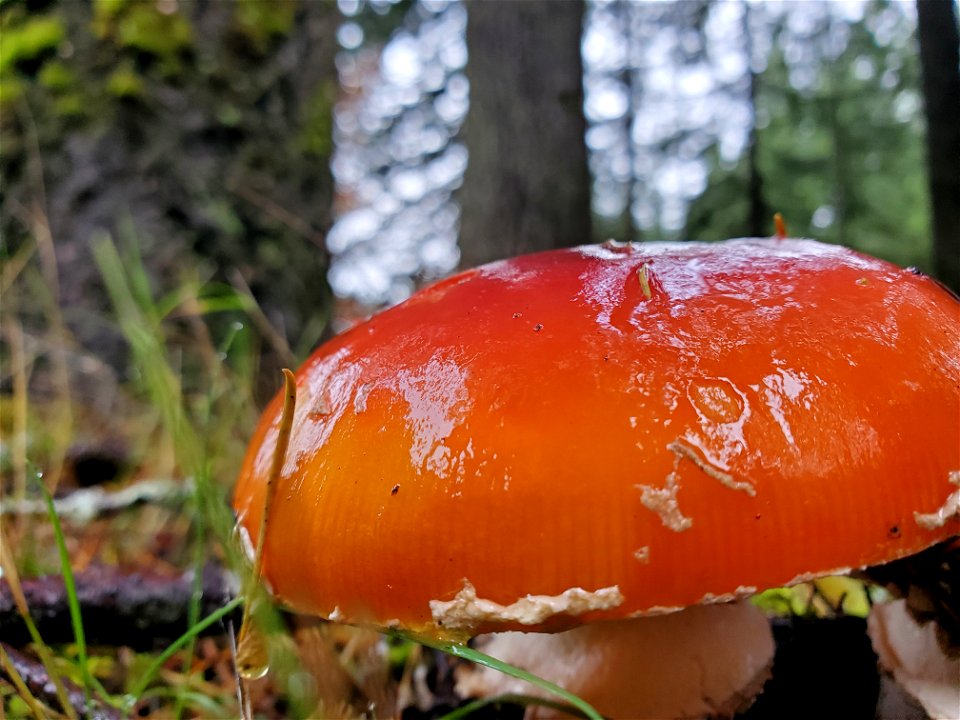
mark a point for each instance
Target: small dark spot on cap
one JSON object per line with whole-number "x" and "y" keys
{"x": 757, "y": 516}
{"x": 396, "y": 489}
{"x": 517, "y": 315}
{"x": 894, "y": 531}
{"x": 538, "y": 327}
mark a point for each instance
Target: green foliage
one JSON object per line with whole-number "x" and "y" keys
{"x": 379, "y": 20}
{"x": 841, "y": 157}
{"x": 824, "y": 597}
{"x": 158, "y": 662}
{"x": 263, "y": 22}
{"x": 475, "y": 656}
{"x": 27, "y": 42}
{"x": 316, "y": 137}
{"x": 144, "y": 29}
{"x": 28, "y": 38}
{"x": 218, "y": 147}
{"x": 56, "y": 75}
{"x": 125, "y": 82}
{"x": 11, "y": 89}
{"x": 104, "y": 11}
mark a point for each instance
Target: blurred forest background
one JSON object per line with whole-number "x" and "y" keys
{"x": 217, "y": 186}
{"x": 280, "y": 145}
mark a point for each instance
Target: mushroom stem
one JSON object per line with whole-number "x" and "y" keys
{"x": 709, "y": 660}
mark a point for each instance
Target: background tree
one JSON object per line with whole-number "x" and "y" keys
{"x": 526, "y": 186}
{"x": 702, "y": 120}
{"x": 193, "y": 131}
{"x": 839, "y": 128}
{"x": 940, "y": 58}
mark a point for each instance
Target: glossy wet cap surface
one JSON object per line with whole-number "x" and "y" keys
{"x": 615, "y": 430}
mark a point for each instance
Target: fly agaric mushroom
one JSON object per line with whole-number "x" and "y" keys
{"x": 616, "y": 433}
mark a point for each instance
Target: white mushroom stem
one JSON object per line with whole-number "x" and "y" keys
{"x": 910, "y": 651}
{"x": 707, "y": 660}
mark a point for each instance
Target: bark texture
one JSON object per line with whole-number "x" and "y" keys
{"x": 203, "y": 136}
{"x": 940, "y": 60}
{"x": 527, "y": 185}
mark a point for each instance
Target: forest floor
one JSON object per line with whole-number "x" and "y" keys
{"x": 118, "y": 543}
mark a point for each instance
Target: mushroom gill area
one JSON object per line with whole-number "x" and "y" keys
{"x": 910, "y": 652}
{"x": 704, "y": 661}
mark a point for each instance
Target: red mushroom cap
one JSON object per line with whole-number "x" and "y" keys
{"x": 615, "y": 431}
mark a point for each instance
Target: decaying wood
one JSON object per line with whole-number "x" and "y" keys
{"x": 139, "y": 610}
{"x": 38, "y": 681}
{"x": 83, "y": 505}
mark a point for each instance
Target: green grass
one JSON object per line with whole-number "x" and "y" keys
{"x": 46, "y": 657}
{"x": 71, "y": 589}
{"x": 194, "y": 354}
{"x": 475, "y": 656}
{"x": 158, "y": 662}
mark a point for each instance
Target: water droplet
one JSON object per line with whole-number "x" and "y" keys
{"x": 253, "y": 658}
{"x": 716, "y": 399}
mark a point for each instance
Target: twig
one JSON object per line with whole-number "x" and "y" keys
{"x": 277, "y": 212}
{"x": 35, "y": 677}
{"x": 138, "y": 610}
{"x": 83, "y": 505}
{"x": 277, "y": 341}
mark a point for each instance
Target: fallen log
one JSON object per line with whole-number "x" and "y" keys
{"x": 143, "y": 611}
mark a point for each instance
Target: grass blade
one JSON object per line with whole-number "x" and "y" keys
{"x": 22, "y": 690}
{"x": 480, "y": 658}
{"x": 13, "y": 582}
{"x": 525, "y": 700}
{"x": 76, "y": 620}
{"x": 176, "y": 645}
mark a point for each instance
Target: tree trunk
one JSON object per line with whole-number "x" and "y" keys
{"x": 527, "y": 186}
{"x": 939, "y": 59}
{"x": 215, "y": 146}
{"x": 759, "y": 214}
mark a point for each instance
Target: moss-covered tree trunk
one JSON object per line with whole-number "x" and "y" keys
{"x": 526, "y": 186}
{"x": 201, "y": 131}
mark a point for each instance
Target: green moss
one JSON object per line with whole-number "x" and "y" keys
{"x": 143, "y": 27}
{"x": 56, "y": 76}
{"x": 30, "y": 40}
{"x": 106, "y": 10}
{"x": 316, "y": 134}
{"x": 124, "y": 82}
{"x": 105, "y": 14}
{"x": 11, "y": 89}
{"x": 72, "y": 105}
{"x": 262, "y": 21}
{"x": 229, "y": 115}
